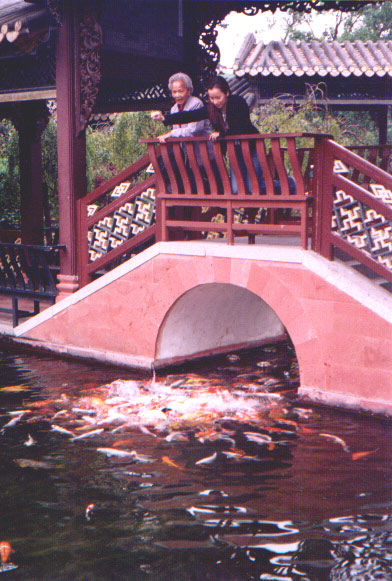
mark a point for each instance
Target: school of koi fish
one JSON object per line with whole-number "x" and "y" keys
{"x": 251, "y": 411}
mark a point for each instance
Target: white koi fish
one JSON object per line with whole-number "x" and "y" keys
{"x": 207, "y": 460}
{"x": 30, "y": 441}
{"x": 60, "y": 430}
{"x": 258, "y": 438}
{"x": 14, "y": 421}
{"x": 116, "y": 453}
{"x": 91, "y": 434}
{"x": 134, "y": 456}
{"x": 337, "y": 440}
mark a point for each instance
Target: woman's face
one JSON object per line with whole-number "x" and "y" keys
{"x": 218, "y": 97}
{"x": 179, "y": 92}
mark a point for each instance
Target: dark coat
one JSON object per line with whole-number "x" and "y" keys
{"x": 237, "y": 117}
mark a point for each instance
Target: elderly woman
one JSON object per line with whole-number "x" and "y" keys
{"x": 229, "y": 115}
{"x": 181, "y": 88}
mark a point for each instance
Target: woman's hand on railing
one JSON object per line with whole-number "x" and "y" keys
{"x": 157, "y": 116}
{"x": 214, "y": 136}
{"x": 162, "y": 138}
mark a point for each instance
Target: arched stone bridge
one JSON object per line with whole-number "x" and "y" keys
{"x": 179, "y": 300}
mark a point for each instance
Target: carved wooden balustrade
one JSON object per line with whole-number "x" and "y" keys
{"x": 326, "y": 193}
{"x": 353, "y": 205}
{"x": 268, "y": 172}
{"x": 116, "y": 220}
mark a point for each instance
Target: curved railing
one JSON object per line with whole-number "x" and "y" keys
{"x": 116, "y": 220}
{"x": 353, "y": 207}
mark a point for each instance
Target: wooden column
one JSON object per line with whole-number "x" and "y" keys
{"x": 32, "y": 119}
{"x": 71, "y": 144}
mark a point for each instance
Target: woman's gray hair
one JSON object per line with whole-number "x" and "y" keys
{"x": 183, "y": 78}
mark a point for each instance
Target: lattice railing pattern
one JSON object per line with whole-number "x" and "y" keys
{"x": 125, "y": 222}
{"x": 353, "y": 206}
{"x": 117, "y": 219}
{"x": 360, "y": 225}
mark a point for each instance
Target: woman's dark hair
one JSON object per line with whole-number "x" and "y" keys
{"x": 214, "y": 114}
{"x": 219, "y": 83}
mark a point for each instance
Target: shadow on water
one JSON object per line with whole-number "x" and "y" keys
{"x": 264, "y": 487}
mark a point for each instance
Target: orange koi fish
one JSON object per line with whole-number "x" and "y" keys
{"x": 171, "y": 462}
{"x": 89, "y": 510}
{"x": 358, "y": 455}
{"x": 5, "y": 551}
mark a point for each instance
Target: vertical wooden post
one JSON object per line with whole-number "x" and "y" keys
{"x": 322, "y": 206}
{"x": 71, "y": 144}
{"x": 32, "y": 120}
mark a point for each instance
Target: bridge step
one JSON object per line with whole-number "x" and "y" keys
{"x": 362, "y": 269}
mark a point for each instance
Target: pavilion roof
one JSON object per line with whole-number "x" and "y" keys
{"x": 313, "y": 58}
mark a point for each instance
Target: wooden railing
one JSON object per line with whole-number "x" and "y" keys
{"x": 28, "y": 272}
{"x": 324, "y": 193}
{"x": 353, "y": 206}
{"x": 266, "y": 169}
{"x": 116, "y": 220}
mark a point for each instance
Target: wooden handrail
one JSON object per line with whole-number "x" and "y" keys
{"x": 265, "y": 170}
{"x": 366, "y": 208}
{"x": 104, "y": 214}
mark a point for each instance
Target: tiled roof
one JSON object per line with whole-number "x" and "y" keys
{"x": 314, "y": 58}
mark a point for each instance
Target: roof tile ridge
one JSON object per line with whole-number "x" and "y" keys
{"x": 359, "y": 45}
{"x": 248, "y": 42}
{"x": 386, "y": 51}
{"x": 331, "y": 55}
{"x": 297, "y": 55}
{"x": 309, "y": 55}
{"x": 258, "y": 50}
{"x": 321, "y": 55}
{"x": 264, "y": 56}
{"x": 286, "y": 56}
{"x": 373, "y": 62}
{"x": 348, "y": 45}
{"x": 376, "y": 52}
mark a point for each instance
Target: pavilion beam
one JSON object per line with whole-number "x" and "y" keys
{"x": 71, "y": 145}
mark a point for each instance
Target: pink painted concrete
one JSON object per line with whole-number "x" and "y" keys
{"x": 344, "y": 350}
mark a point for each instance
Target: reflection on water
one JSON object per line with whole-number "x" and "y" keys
{"x": 208, "y": 473}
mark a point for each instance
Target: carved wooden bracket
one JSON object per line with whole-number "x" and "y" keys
{"x": 56, "y": 9}
{"x": 91, "y": 39}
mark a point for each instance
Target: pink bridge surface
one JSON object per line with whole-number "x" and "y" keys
{"x": 178, "y": 300}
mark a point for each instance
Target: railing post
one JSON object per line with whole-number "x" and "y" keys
{"x": 322, "y": 205}
{"x": 82, "y": 242}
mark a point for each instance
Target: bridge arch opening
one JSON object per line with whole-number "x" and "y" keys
{"x": 215, "y": 318}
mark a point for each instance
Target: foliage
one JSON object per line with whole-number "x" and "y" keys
{"x": 9, "y": 176}
{"x": 111, "y": 150}
{"x": 49, "y": 167}
{"x": 306, "y": 116}
{"x": 370, "y": 23}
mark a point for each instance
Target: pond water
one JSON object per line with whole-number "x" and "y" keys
{"x": 210, "y": 472}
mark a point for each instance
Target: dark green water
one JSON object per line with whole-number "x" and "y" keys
{"x": 304, "y": 508}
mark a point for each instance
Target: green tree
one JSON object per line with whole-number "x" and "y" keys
{"x": 9, "y": 176}
{"x": 112, "y": 149}
{"x": 373, "y": 22}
